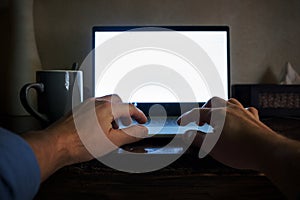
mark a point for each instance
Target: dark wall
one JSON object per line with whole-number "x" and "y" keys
{"x": 264, "y": 33}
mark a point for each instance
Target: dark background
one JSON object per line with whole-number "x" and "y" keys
{"x": 264, "y": 34}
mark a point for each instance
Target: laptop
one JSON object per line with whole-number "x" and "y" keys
{"x": 164, "y": 71}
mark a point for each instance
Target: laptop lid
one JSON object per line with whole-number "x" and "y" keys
{"x": 153, "y": 67}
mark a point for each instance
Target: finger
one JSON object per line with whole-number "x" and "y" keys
{"x": 127, "y": 111}
{"x": 196, "y": 136}
{"x": 198, "y": 115}
{"x": 235, "y": 102}
{"x": 128, "y": 135}
{"x": 253, "y": 111}
{"x": 215, "y": 102}
{"x": 114, "y": 98}
{"x": 126, "y": 121}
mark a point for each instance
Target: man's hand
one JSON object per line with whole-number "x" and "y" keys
{"x": 65, "y": 141}
{"x": 242, "y": 132}
{"x": 246, "y": 143}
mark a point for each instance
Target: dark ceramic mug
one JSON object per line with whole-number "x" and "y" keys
{"x": 56, "y": 90}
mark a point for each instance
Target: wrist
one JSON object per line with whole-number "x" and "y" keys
{"x": 49, "y": 154}
{"x": 269, "y": 150}
{"x": 277, "y": 153}
{"x": 59, "y": 149}
{"x": 68, "y": 145}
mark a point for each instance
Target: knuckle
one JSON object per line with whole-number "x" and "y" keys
{"x": 253, "y": 109}
{"x": 131, "y": 107}
{"x": 116, "y": 98}
{"x": 215, "y": 98}
{"x": 91, "y": 99}
{"x": 232, "y": 99}
{"x": 194, "y": 111}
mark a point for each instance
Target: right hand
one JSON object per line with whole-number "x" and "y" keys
{"x": 244, "y": 141}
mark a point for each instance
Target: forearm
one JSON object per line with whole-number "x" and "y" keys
{"x": 282, "y": 166}
{"x": 50, "y": 155}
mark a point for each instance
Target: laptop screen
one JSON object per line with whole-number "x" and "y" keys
{"x": 161, "y": 72}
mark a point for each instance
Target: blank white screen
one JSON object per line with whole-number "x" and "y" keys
{"x": 214, "y": 43}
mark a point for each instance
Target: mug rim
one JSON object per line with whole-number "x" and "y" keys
{"x": 58, "y": 70}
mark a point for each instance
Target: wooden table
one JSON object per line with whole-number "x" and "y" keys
{"x": 187, "y": 178}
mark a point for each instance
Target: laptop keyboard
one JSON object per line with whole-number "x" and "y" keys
{"x": 160, "y": 121}
{"x": 162, "y": 125}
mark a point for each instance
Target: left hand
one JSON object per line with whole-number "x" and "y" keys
{"x": 92, "y": 128}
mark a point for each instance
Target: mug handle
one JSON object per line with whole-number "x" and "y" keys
{"x": 39, "y": 87}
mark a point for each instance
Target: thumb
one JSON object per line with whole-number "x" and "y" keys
{"x": 128, "y": 135}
